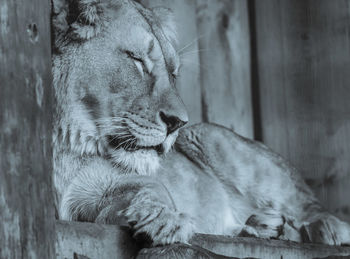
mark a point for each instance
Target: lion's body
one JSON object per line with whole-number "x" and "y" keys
{"x": 115, "y": 124}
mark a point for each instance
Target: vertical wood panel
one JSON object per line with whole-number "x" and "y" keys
{"x": 26, "y": 204}
{"x": 303, "y": 50}
{"x": 225, "y": 64}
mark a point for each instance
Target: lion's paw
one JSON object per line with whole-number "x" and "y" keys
{"x": 264, "y": 226}
{"x": 329, "y": 230}
{"x": 161, "y": 224}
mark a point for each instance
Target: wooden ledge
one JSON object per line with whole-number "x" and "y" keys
{"x": 93, "y": 241}
{"x": 96, "y": 241}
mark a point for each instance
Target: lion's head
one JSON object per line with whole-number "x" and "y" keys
{"x": 114, "y": 71}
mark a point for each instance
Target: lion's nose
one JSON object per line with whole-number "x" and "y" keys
{"x": 172, "y": 122}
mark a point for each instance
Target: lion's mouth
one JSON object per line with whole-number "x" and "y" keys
{"x": 129, "y": 144}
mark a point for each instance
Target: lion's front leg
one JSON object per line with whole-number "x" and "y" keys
{"x": 271, "y": 224}
{"x": 147, "y": 209}
{"x": 327, "y": 229}
{"x": 264, "y": 226}
{"x": 103, "y": 195}
{"x": 163, "y": 224}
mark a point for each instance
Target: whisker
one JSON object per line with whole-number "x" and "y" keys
{"x": 119, "y": 137}
{"x": 194, "y": 52}
{"x": 133, "y": 144}
{"x": 129, "y": 144}
{"x": 111, "y": 126}
{"x": 191, "y": 43}
{"x": 110, "y": 118}
{"x": 122, "y": 143}
{"x": 112, "y": 131}
{"x": 186, "y": 61}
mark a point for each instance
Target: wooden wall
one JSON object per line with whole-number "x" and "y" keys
{"x": 303, "y": 61}
{"x": 276, "y": 70}
{"x": 26, "y": 204}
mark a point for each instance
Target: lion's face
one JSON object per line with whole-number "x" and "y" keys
{"x": 122, "y": 80}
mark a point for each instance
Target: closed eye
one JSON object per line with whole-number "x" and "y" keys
{"x": 140, "y": 67}
{"x": 138, "y": 62}
{"x": 133, "y": 56}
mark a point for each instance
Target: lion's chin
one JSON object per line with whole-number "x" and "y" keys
{"x": 141, "y": 161}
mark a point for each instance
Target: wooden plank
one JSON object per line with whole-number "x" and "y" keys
{"x": 188, "y": 80}
{"x": 179, "y": 251}
{"x": 88, "y": 240}
{"x": 243, "y": 247}
{"x": 303, "y": 56}
{"x": 91, "y": 240}
{"x": 224, "y": 45}
{"x": 26, "y": 202}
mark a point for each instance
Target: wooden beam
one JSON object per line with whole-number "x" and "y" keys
{"x": 93, "y": 241}
{"x": 266, "y": 248}
{"x": 179, "y": 251}
{"x": 89, "y": 240}
{"x": 26, "y": 200}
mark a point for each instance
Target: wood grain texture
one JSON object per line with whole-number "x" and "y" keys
{"x": 88, "y": 240}
{"x": 225, "y": 64}
{"x": 244, "y": 247}
{"x": 303, "y": 55}
{"x": 26, "y": 204}
{"x": 179, "y": 251}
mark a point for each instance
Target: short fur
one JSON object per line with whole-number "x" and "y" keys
{"x": 114, "y": 72}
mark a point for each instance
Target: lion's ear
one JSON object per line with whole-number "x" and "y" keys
{"x": 87, "y": 18}
{"x": 166, "y": 18}
{"x": 59, "y": 16}
{"x": 78, "y": 19}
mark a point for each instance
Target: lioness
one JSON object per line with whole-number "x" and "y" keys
{"x": 118, "y": 115}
